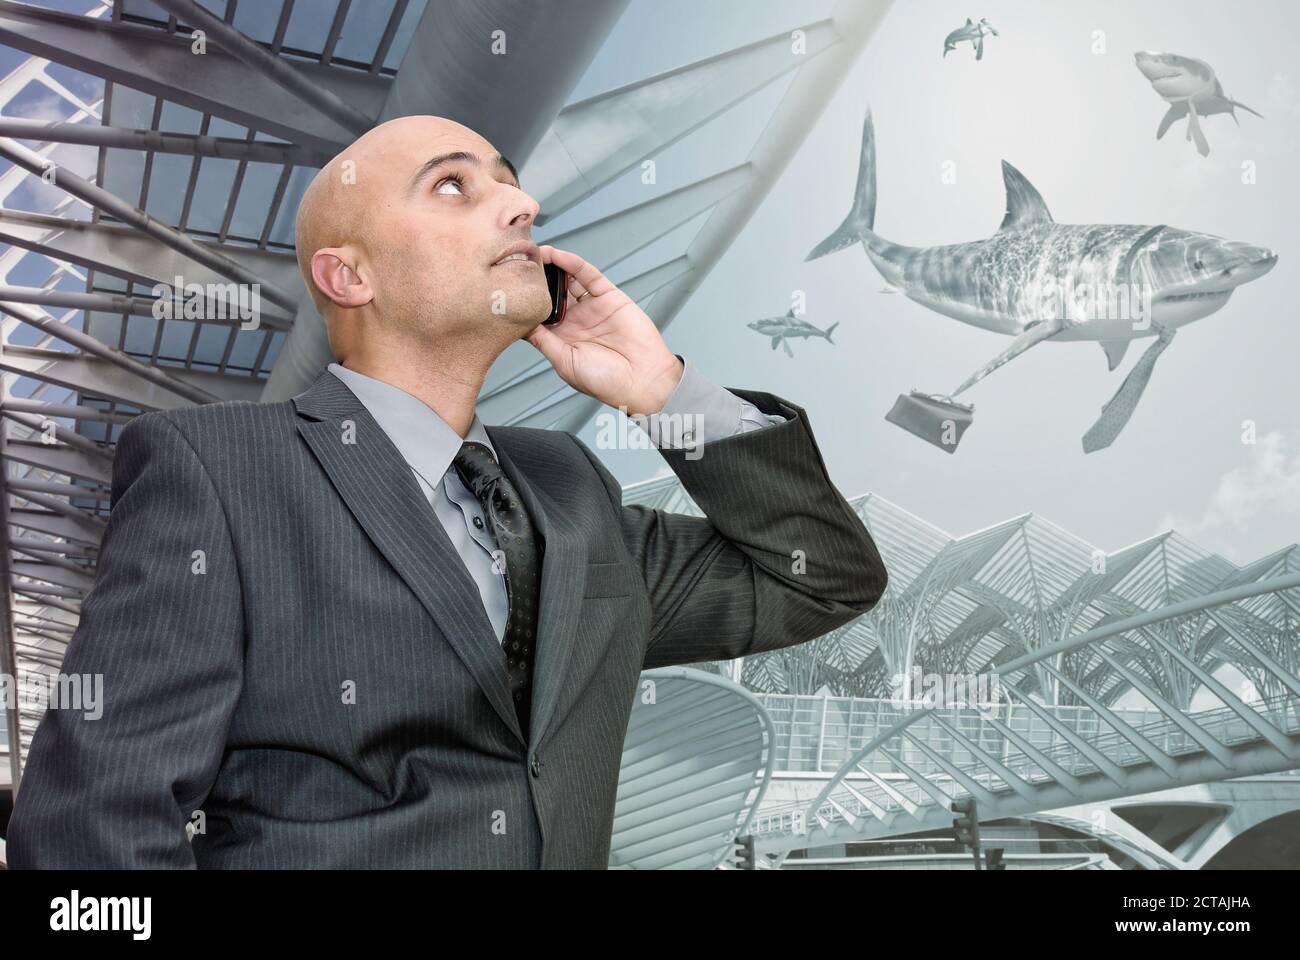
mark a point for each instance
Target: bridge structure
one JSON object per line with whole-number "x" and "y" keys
{"x": 1116, "y": 674}
{"x": 1023, "y": 757}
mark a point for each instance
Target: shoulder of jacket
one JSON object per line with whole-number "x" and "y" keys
{"x": 227, "y": 420}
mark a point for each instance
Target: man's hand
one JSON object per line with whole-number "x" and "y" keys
{"x": 606, "y": 346}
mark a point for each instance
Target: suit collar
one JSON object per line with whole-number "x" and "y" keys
{"x": 426, "y": 441}
{"x": 377, "y": 486}
{"x": 327, "y": 397}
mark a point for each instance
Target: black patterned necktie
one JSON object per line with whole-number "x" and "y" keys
{"x": 518, "y": 543}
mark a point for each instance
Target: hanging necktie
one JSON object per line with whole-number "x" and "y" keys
{"x": 517, "y": 543}
{"x": 1115, "y": 414}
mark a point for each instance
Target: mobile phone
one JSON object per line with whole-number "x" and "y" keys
{"x": 558, "y": 282}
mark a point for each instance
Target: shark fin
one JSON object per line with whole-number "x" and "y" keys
{"x": 979, "y": 48}
{"x": 775, "y": 342}
{"x": 790, "y": 312}
{"x": 1115, "y": 350}
{"x": 788, "y": 352}
{"x": 830, "y": 330}
{"x": 1176, "y": 110}
{"x": 1194, "y": 131}
{"x": 1025, "y": 205}
{"x": 1039, "y": 330}
{"x": 1238, "y": 103}
{"x": 969, "y": 23}
{"x": 857, "y": 226}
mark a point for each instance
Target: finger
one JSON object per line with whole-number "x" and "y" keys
{"x": 592, "y": 280}
{"x": 575, "y": 289}
{"x": 549, "y": 345}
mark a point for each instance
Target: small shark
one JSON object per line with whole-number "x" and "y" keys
{"x": 974, "y": 32}
{"x": 781, "y": 329}
{"x": 1192, "y": 91}
{"x": 1009, "y": 282}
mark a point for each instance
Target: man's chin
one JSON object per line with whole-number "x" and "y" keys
{"x": 531, "y": 311}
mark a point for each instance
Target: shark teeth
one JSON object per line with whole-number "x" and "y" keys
{"x": 1196, "y": 296}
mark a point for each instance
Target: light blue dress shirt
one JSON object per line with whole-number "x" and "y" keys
{"x": 430, "y": 445}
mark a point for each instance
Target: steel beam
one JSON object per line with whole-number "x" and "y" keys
{"x": 73, "y": 411}
{"x": 73, "y": 529}
{"x": 95, "y": 348}
{"x": 266, "y": 64}
{"x": 58, "y": 489}
{"x": 218, "y": 312}
{"x": 55, "y": 575}
{"x": 156, "y": 141}
{"x": 94, "y": 376}
{"x": 165, "y": 66}
{"x": 131, "y": 255}
{"x": 93, "y": 456}
{"x": 593, "y": 142}
{"x": 53, "y": 547}
{"x": 109, "y": 203}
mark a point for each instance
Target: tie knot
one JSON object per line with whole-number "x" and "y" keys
{"x": 477, "y": 467}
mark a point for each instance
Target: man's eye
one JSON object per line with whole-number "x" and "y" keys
{"x": 455, "y": 178}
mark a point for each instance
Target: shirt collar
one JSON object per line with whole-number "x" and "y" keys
{"x": 424, "y": 439}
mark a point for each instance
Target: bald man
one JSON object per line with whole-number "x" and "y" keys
{"x": 360, "y": 628}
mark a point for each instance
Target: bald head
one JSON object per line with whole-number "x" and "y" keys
{"x": 333, "y": 210}
{"x": 407, "y": 222}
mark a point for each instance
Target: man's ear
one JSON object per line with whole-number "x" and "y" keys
{"x": 334, "y": 276}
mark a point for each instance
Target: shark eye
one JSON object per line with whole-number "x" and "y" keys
{"x": 1197, "y": 264}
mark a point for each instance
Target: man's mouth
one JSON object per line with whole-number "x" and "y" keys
{"x": 513, "y": 258}
{"x": 523, "y": 251}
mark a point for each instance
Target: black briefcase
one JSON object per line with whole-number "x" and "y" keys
{"x": 933, "y": 417}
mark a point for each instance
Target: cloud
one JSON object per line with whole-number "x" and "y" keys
{"x": 48, "y": 108}
{"x": 1262, "y": 491}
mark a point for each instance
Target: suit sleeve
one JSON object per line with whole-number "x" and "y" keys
{"x": 779, "y": 559}
{"x": 163, "y": 626}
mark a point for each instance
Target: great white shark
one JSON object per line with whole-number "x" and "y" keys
{"x": 1010, "y": 283}
{"x": 782, "y": 329}
{"x": 1191, "y": 89}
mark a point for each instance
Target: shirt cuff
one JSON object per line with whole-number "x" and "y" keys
{"x": 698, "y": 410}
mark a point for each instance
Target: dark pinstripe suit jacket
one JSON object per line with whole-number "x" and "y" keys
{"x": 322, "y": 681}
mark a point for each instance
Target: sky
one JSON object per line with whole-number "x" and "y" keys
{"x": 1058, "y": 95}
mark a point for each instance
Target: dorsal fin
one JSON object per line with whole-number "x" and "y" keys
{"x": 968, "y": 23}
{"x": 1024, "y": 204}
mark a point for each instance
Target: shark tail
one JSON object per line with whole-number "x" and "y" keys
{"x": 857, "y": 226}
{"x": 830, "y": 330}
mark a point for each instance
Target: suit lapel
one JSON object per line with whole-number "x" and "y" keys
{"x": 564, "y": 571}
{"x": 377, "y": 485}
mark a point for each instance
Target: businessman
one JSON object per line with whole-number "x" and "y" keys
{"x": 361, "y": 629}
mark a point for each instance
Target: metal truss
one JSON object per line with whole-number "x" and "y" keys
{"x": 904, "y": 779}
{"x": 696, "y": 763}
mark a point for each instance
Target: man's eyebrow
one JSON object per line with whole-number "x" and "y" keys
{"x": 459, "y": 156}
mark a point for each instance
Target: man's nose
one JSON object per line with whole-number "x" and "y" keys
{"x": 522, "y": 209}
